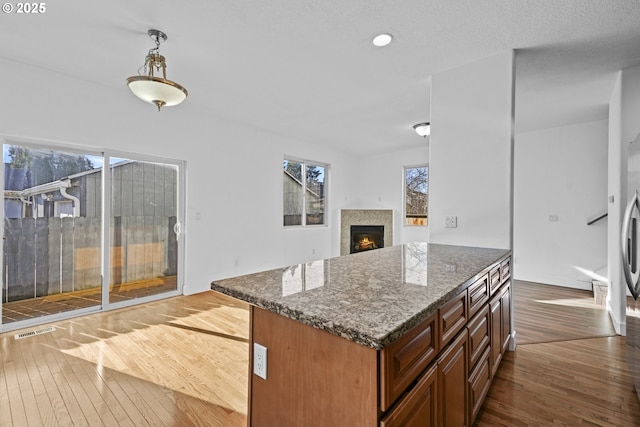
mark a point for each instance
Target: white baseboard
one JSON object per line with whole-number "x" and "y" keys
{"x": 619, "y": 326}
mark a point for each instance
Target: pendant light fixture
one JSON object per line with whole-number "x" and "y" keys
{"x": 423, "y": 129}
{"x": 150, "y": 88}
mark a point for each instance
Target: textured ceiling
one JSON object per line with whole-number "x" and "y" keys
{"x": 308, "y": 68}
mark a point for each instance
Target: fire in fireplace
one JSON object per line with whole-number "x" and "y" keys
{"x": 366, "y": 237}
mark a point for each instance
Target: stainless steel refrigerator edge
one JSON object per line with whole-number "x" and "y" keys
{"x": 631, "y": 260}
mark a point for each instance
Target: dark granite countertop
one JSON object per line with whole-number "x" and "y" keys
{"x": 371, "y": 298}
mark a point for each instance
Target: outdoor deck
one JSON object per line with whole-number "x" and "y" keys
{"x": 37, "y": 307}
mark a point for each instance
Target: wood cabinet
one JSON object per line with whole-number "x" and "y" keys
{"x": 505, "y": 270}
{"x": 405, "y": 359}
{"x": 478, "y": 294}
{"x": 495, "y": 317}
{"x": 494, "y": 280}
{"x": 479, "y": 355}
{"x": 452, "y": 317}
{"x": 419, "y": 407}
{"x": 500, "y": 319}
{"x": 436, "y": 374}
{"x": 479, "y": 382}
{"x": 479, "y": 335}
{"x": 452, "y": 383}
{"x": 313, "y": 378}
{"x": 505, "y": 324}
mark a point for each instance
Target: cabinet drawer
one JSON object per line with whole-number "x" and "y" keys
{"x": 494, "y": 280}
{"x": 452, "y": 317}
{"x": 505, "y": 270}
{"x": 479, "y": 382}
{"x": 418, "y": 407}
{"x": 479, "y": 336}
{"x": 402, "y": 361}
{"x": 478, "y": 294}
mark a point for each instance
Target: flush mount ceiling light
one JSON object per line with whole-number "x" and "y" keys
{"x": 382, "y": 39}
{"x": 156, "y": 90}
{"x": 423, "y": 129}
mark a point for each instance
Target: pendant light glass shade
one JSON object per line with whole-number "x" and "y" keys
{"x": 156, "y": 90}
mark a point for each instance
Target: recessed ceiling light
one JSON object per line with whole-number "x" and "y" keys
{"x": 382, "y": 39}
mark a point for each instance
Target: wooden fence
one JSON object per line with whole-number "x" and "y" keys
{"x": 47, "y": 256}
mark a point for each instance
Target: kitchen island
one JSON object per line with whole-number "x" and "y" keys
{"x": 394, "y": 336}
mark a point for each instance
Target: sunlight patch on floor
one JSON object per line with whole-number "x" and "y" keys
{"x": 573, "y": 302}
{"x": 103, "y": 352}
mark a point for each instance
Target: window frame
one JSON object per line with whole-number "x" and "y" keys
{"x": 325, "y": 200}
{"x": 404, "y": 195}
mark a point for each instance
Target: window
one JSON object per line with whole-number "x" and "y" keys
{"x": 304, "y": 193}
{"x": 416, "y": 194}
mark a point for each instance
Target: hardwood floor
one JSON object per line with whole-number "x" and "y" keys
{"x": 569, "y": 368}
{"x": 566, "y": 383}
{"x": 545, "y": 313}
{"x": 177, "y": 362}
{"x": 183, "y": 361}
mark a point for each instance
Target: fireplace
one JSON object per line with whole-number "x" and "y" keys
{"x": 366, "y": 237}
{"x": 364, "y": 217}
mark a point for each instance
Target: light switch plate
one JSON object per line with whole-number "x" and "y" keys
{"x": 450, "y": 221}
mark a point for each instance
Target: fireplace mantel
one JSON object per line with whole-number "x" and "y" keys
{"x": 349, "y": 217}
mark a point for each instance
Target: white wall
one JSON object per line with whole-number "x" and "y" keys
{"x": 624, "y": 126}
{"x": 234, "y": 178}
{"x": 383, "y": 187}
{"x": 560, "y": 171}
{"x": 470, "y": 153}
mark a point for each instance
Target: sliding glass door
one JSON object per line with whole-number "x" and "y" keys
{"x": 57, "y": 226}
{"x": 52, "y": 232}
{"x": 144, "y": 229}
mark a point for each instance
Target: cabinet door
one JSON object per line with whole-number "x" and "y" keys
{"x": 505, "y": 325}
{"x": 418, "y": 408}
{"x": 452, "y": 383}
{"x": 479, "y": 382}
{"x": 495, "y": 316}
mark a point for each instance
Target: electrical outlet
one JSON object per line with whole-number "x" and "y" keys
{"x": 260, "y": 360}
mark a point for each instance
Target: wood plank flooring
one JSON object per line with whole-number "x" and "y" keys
{"x": 183, "y": 361}
{"x": 545, "y": 313}
{"x": 569, "y": 368}
{"x": 177, "y": 362}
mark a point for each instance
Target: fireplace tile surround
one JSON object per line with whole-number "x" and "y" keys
{"x": 349, "y": 217}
